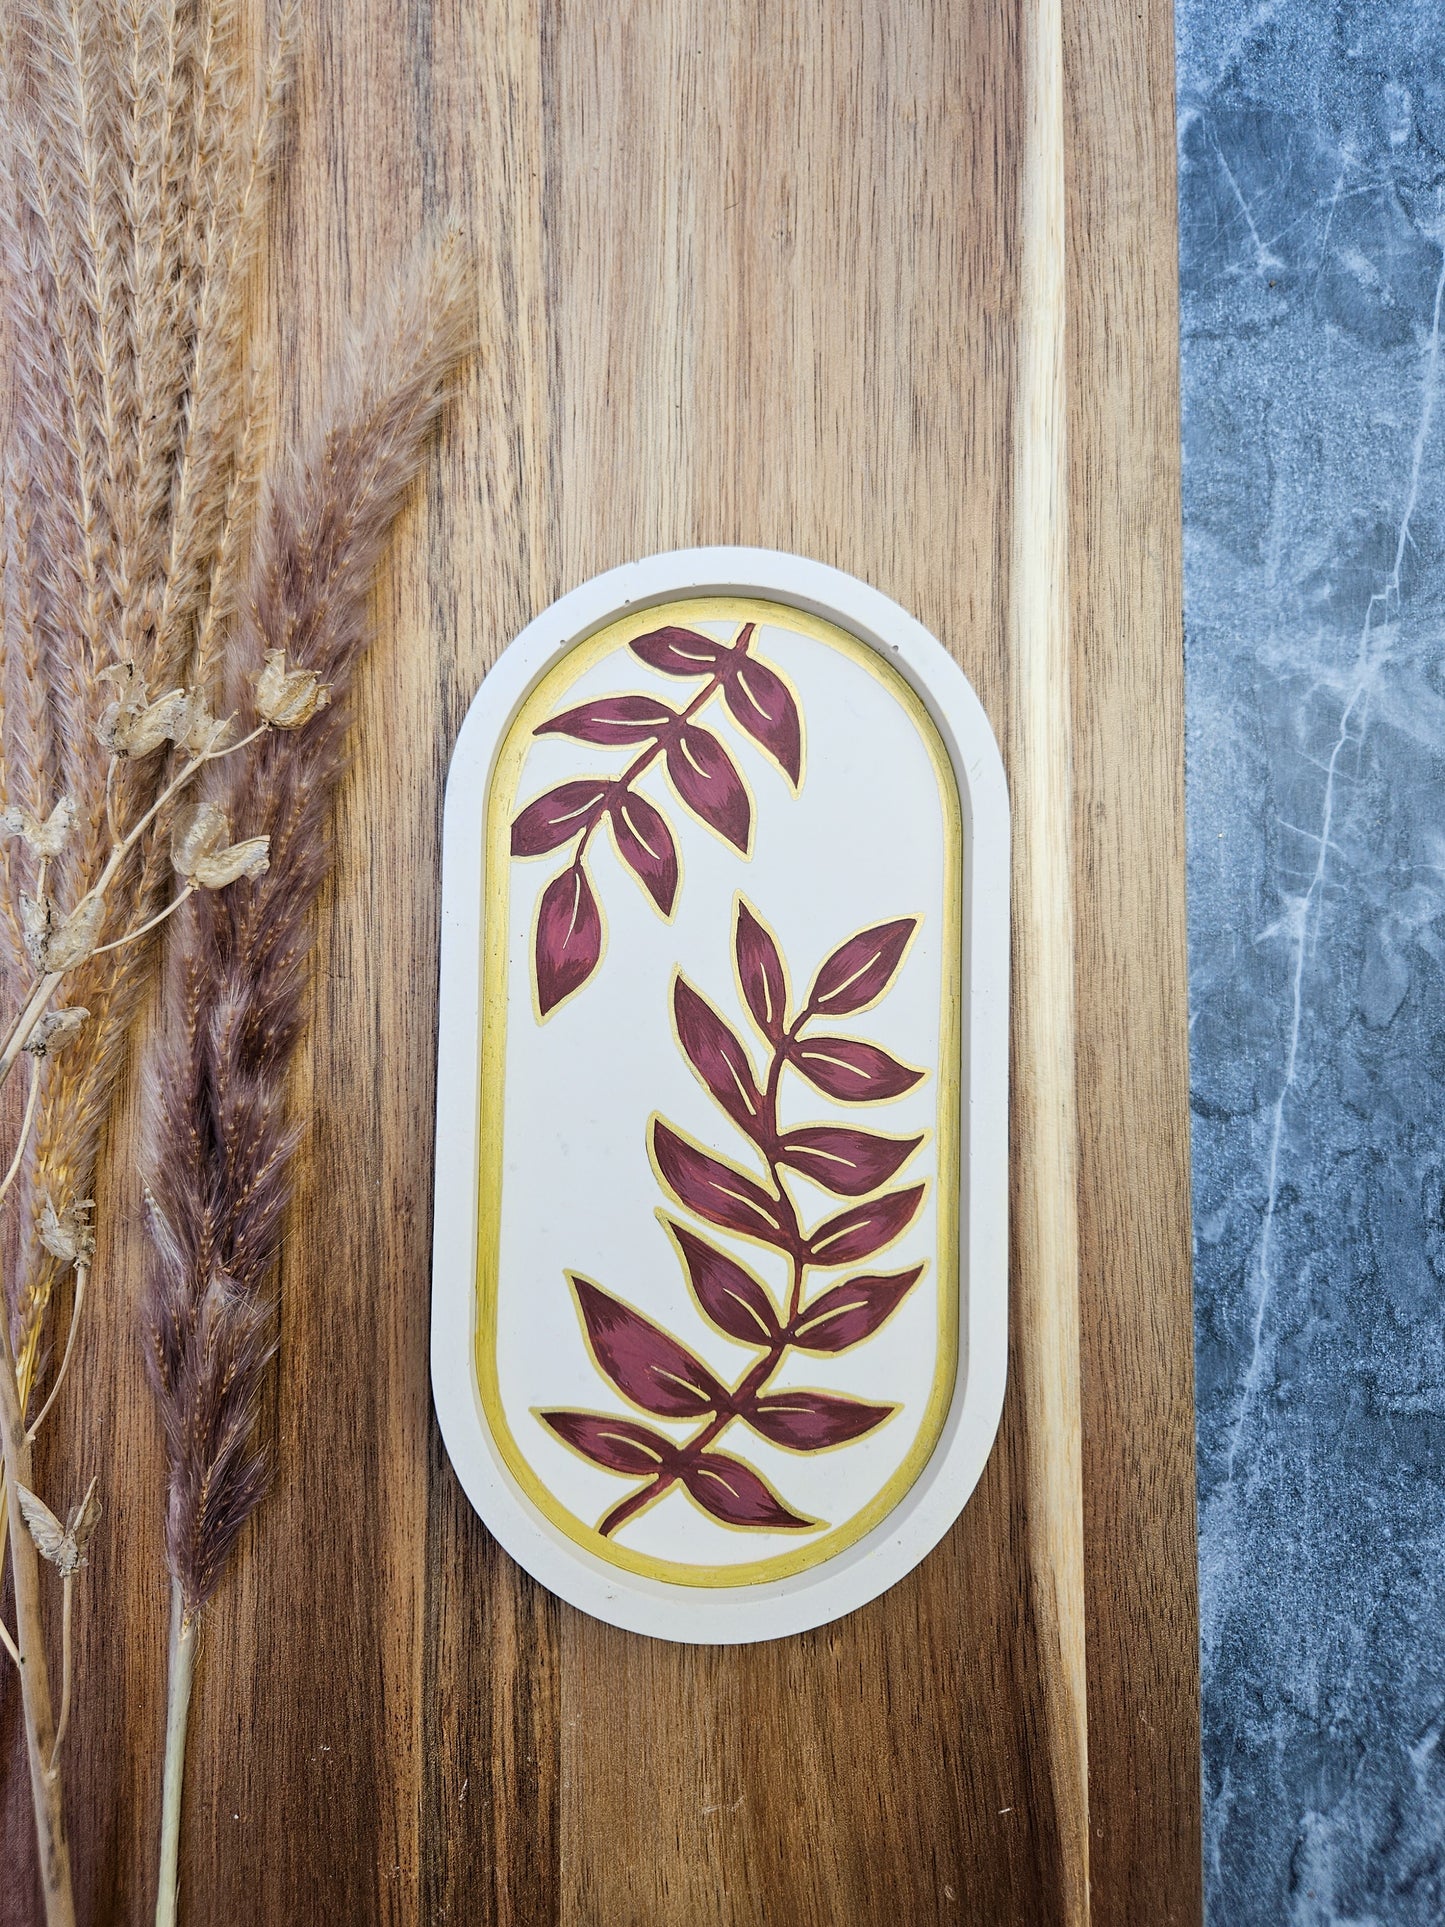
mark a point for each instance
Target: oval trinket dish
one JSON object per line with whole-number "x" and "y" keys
{"x": 720, "y": 1274}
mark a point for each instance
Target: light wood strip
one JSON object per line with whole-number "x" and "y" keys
{"x": 1046, "y": 1238}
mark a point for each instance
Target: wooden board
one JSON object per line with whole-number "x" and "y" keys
{"x": 749, "y": 275}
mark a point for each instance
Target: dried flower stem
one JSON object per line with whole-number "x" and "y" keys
{"x": 26, "y": 1121}
{"x": 45, "y": 1785}
{"x": 67, "y": 1597}
{"x": 151, "y": 923}
{"x": 82, "y": 1276}
{"x": 180, "y": 1673}
{"x": 47, "y": 986}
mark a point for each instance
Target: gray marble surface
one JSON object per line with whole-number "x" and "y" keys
{"x": 1312, "y": 216}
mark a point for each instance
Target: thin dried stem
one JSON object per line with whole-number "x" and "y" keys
{"x": 45, "y": 1785}
{"x": 82, "y": 1278}
{"x": 180, "y": 1673}
{"x": 66, "y": 1599}
{"x": 27, "y": 1119}
{"x": 151, "y": 923}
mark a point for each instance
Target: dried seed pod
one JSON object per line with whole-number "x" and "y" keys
{"x": 197, "y": 730}
{"x": 55, "y": 1030}
{"x": 203, "y": 854}
{"x": 43, "y": 839}
{"x": 68, "y": 1235}
{"x": 132, "y": 725}
{"x": 37, "y": 918}
{"x": 60, "y": 943}
{"x": 287, "y": 698}
{"x": 62, "y": 1545}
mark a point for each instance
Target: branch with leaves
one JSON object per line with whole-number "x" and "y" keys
{"x": 568, "y": 943}
{"x": 655, "y": 1371}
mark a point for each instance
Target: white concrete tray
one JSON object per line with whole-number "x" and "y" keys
{"x": 720, "y": 1276}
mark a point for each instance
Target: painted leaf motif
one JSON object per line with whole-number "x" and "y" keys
{"x": 850, "y": 1070}
{"x": 864, "y": 1228}
{"x": 859, "y": 971}
{"x": 846, "y": 1314}
{"x": 569, "y": 937}
{"x": 812, "y": 1421}
{"x": 761, "y": 973}
{"x": 718, "y": 1056}
{"x": 762, "y": 704}
{"x": 679, "y": 652}
{"x": 646, "y": 1364}
{"x": 645, "y": 845}
{"x": 848, "y": 1162}
{"x": 714, "y": 1190}
{"x": 558, "y": 816}
{"x": 734, "y": 1493}
{"x": 729, "y": 1294}
{"x": 619, "y": 1444}
{"x": 708, "y": 782}
{"x": 611, "y": 720}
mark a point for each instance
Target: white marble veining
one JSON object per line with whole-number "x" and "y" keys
{"x": 1312, "y": 207}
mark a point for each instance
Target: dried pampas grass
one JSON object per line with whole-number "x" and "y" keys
{"x": 236, "y": 976}
{"x": 135, "y": 158}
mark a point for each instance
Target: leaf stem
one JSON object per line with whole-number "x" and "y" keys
{"x": 762, "y": 1369}
{"x": 623, "y": 785}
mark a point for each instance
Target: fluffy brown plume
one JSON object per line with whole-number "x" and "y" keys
{"x": 237, "y": 967}
{"x": 134, "y": 168}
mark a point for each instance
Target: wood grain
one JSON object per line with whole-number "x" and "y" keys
{"x": 749, "y": 274}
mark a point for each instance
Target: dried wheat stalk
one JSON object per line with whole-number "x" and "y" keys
{"x": 237, "y": 967}
{"x": 134, "y": 166}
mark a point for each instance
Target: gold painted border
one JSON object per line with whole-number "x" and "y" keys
{"x": 501, "y": 803}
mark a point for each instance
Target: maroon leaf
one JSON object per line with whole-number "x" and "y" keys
{"x": 679, "y": 652}
{"x": 843, "y": 1160}
{"x": 864, "y": 1228}
{"x": 645, "y": 1363}
{"x": 859, "y": 971}
{"x": 611, "y": 720}
{"x": 734, "y": 1493}
{"x": 718, "y": 1057}
{"x": 761, "y": 973}
{"x": 812, "y": 1421}
{"x": 729, "y": 1294}
{"x": 763, "y": 705}
{"x": 558, "y": 816}
{"x": 569, "y": 937}
{"x": 645, "y": 845}
{"x": 847, "y": 1314}
{"x": 714, "y": 1190}
{"x": 621, "y": 1444}
{"x": 705, "y": 778}
{"x": 850, "y": 1070}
